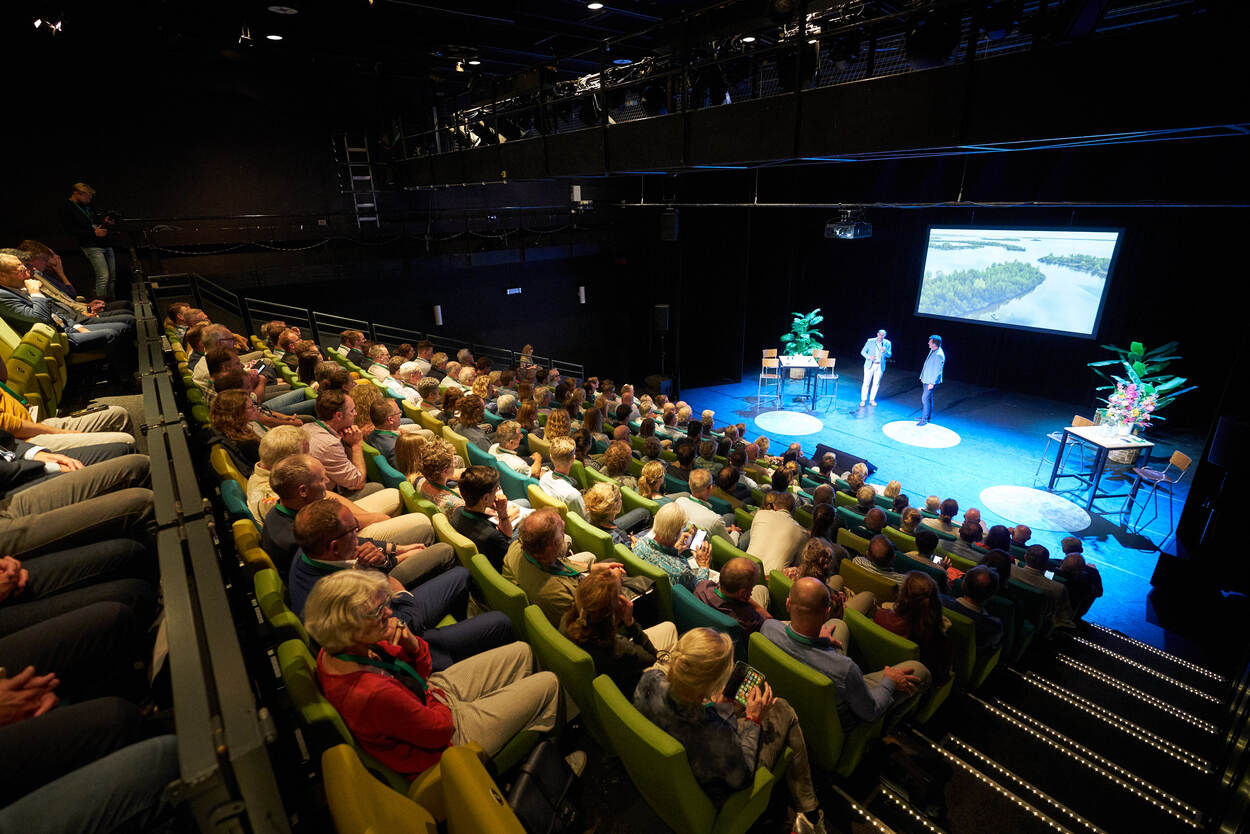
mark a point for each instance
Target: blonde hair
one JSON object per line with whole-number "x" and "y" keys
{"x": 892, "y": 489}
{"x": 668, "y": 523}
{"x": 364, "y": 396}
{"x": 281, "y": 442}
{"x": 506, "y": 431}
{"x": 603, "y": 502}
{"x": 616, "y": 458}
{"x": 558, "y": 423}
{"x": 562, "y": 450}
{"x": 700, "y": 479}
{"x": 933, "y": 503}
{"x": 683, "y": 415}
{"x": 699, "y": 665}
{"x": 865, "y": 494}
{"x": 481, "y": 386}
{"x": 436, "y": 456}
{"x": 408, "y": 448}
{"x": 911, "y": 516}
{"x": 650, "y": 479}
{"x": 339, "y": 605}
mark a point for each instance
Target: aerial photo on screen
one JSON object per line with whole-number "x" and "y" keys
{"x": 1043, "y": 279}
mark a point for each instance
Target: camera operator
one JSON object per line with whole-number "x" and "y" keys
{"x": 91, "y": 233}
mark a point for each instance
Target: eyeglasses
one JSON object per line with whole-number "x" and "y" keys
{"x": 352, "y": 530}
{"x": 380, "y": 612}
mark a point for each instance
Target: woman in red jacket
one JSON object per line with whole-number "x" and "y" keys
{"x": 376, "y": 673}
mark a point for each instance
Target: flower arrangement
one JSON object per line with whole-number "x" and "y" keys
{"x": 1131, "y": 405}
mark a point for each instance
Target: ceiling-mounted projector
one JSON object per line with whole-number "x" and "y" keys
{"x": 848, "y": 230}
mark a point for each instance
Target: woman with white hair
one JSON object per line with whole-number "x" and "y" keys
{"x": 725, "y": 741}
{"x": 668, "y": 547}
{"x": 376, "y": 673}
{"x": 278, "y": 443}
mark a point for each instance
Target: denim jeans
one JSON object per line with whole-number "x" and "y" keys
{"x": 121, "y": 791}
{"x": 448, "y": 593}
{"x": 926, "y": 401}
{"x": 292, "y": 402}
{"x": 104, "y": 265}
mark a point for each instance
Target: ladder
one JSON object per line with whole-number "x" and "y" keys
{"x": 353, "y": 150}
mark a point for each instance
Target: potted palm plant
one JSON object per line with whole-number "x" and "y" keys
{"x": 802, "y": 338}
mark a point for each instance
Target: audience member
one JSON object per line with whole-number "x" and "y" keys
{"x": 557, "y": 482}
{"x": 724, "y": 742}
{"x": 277, "y": 444}
{"x": 601, "y": 622}
{"x": 484, "y": 518}
{"x": 603, "y": 510}
{"x": 384, "y": 416}
{"x": 775, "y": 538}
{"x": 377, "y": 673}
{"x": 1059, "y": 606}
{"x": 879, "y": 559}
{"x": 537, "y": 562}
{"x": 335, "y": 440}
{"x": 737, "y": 594}
{"x": 668, "y": 548}
{"x": 893, "y": 692}
{"x": 979, "y": 584}
{"x": 917, "y": 615}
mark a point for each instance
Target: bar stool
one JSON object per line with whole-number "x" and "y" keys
{"x": 825, "y": 374}
{"x": 770, "y": 371}
{"x": 1057, "y": 437}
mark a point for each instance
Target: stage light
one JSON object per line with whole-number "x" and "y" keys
{"x": 748, "y": 38}
{"x": 38, "y": 22}
{"x": 283, "y": 9}
{"x": 245, "y": 36}
{"x": 273, "y": 37}
{"x": 474, "y": 62}
{"x": 459, "y": 66}
{"x": 622, "y": 62}
{"x": 931, "y": 38}
{"x": 594, "y": 7}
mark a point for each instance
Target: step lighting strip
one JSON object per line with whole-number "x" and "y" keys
{"x": 1193, "y": 690}
{"x": 1020, "y": 783}
{"x": 905, "y": 806}
{"x": 999, "y": 788}
{"x": 1157, "y": 703}
{"x": 1122, "y": 724}
{"x": 863, "y": 813}
{"x": 1101, "y": 760}
{"x": 1178, "y": 661}
{"x": 1054, "y": 745}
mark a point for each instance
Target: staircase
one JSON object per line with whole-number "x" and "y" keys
{"x": 1101, "y": 734}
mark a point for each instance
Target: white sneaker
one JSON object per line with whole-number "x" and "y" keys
{"x": 803, "y": 826}
{"x": 577, "y": 762}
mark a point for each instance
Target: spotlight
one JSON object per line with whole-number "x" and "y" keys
{"x": 273, "y": 37}
{"x": 622, "y": 62}
{"x": 931, "y": 38}
{"x": 38, "y": 22}
{"x": 594, "y": 7}
{"x": 283, "y": 9}
{"x": 460, "y": 66}
{"x": 748, "y": 38}
{"x": 474, "y": 62}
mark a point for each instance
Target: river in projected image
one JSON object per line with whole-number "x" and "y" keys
{"x": 1050, "y": 280}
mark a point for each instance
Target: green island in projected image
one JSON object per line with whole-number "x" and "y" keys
{"x": 969, "y": 292}
{"x": 975, "y": 244}
{"x": 1081, "y": 263}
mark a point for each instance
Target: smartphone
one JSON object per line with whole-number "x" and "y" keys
{"x": 742, "y": 680}
{"x": 259, "y": 367}
{"x": 699, "y": 537}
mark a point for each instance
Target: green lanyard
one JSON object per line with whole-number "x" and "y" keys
{"x": 386, "y": 432}
{"x": 86, "y": 212}
{"x": 561, "y": 570}
{"x": 285, "y": 510}
{"x": 472, "y": 514}
{"x": 725, "y": 598}
{"x": 565, "y": 477}
{"x": 805, "y": 640}
{"x": 327, "y": 428}
{"x": 14, "y": 394}
{"x": 392, "y": 666}
{"x": 318, "y": 565}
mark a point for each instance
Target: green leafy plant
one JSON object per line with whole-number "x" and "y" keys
{"x": 801, "y": 340}
{"x": 1143, "y": 369}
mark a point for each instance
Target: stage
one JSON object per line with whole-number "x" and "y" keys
{"x": 982, "y": 448}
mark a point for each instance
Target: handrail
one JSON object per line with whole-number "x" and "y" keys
{"x": 326, "y": 327}
{"x": 225, "y": 774}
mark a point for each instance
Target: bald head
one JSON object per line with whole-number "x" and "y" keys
{"x": 621, "y": 432}
{"x": 875, "y": 520}
{"x": 1020, "y": 534}
{"x": 808, "y": 605}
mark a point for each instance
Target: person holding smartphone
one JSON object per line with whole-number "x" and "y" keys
{"x": 726, "y": 741}
{"x": 669, "y": 548}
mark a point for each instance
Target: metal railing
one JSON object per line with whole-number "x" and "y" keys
{"x": 225, "y": 775}
{"x": 248, "y": 315}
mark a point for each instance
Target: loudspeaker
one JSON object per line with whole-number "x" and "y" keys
{"x": 660, "y": 317}
{"x": 845, "y": 459}
{"x": 1229, "y": 443}
{"x": 668, "y": 224}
